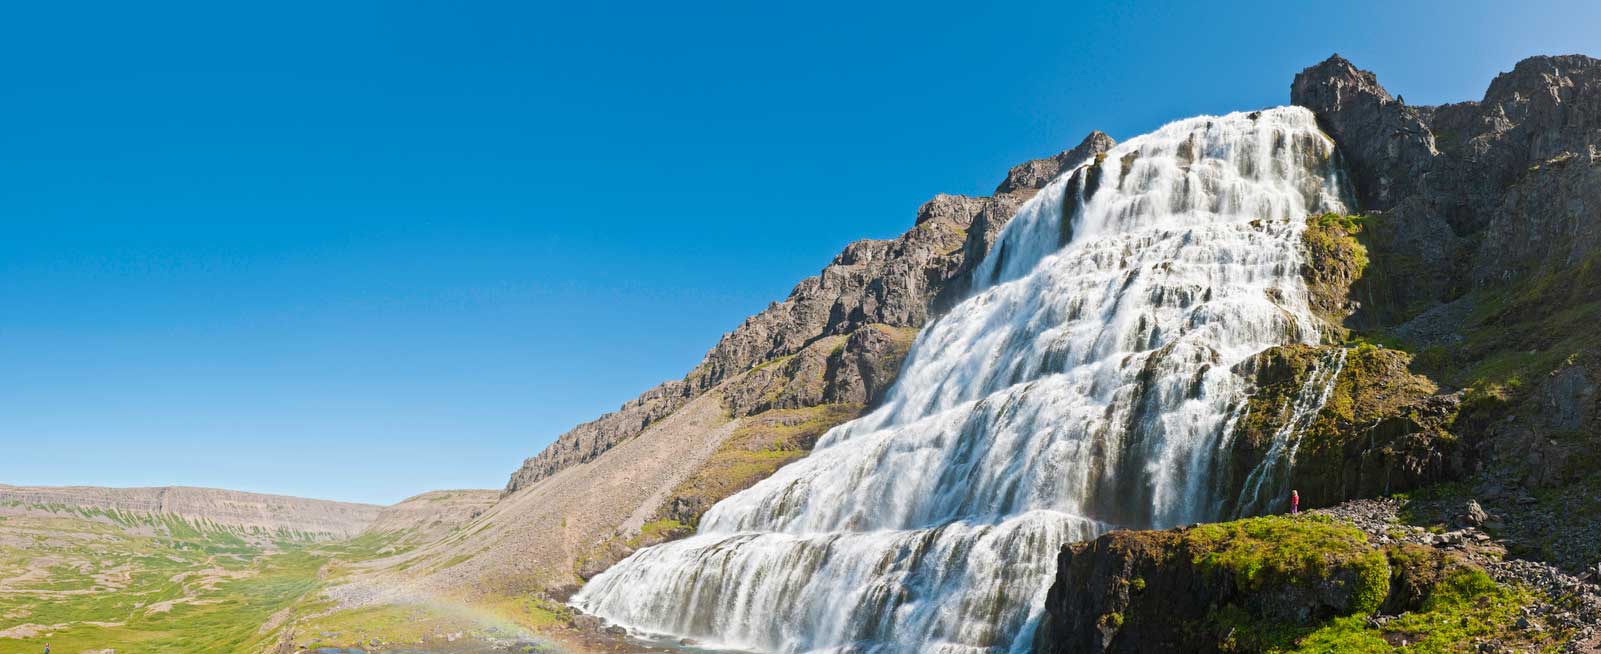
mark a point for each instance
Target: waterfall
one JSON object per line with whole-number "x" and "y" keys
{"x": 1086, "y": 384}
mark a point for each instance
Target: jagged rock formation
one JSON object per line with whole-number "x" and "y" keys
{"x": 1483, "y": 240}
{"x": 871, "y": 284}
{"x": 203, "y": 508}
{"x": 1473, "y": 193}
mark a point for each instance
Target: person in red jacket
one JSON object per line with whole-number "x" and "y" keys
{"x": 1295, "y": 502}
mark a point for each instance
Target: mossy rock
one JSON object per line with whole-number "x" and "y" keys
{"x": 1335, "y": 260}
{"x": 1381, "y": 429}
{"x": 1303, "y": 583}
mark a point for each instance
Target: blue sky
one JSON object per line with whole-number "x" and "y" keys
{"x": 361, "y": 250}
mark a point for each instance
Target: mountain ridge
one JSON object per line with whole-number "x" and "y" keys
{"x": 264, "y": 513}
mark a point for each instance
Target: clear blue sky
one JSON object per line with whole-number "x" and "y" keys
{"x": 358, "y": 251}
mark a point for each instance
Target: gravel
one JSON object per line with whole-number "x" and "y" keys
{"x": 1568, "y": 603}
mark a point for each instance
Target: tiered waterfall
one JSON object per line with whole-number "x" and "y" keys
{"x": 1088, "y": 382}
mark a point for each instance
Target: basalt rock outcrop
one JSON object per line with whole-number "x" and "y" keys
{"x": 872, "y": 285}
{"x": 1473, "y": 193}
{"x": 1482, "y": 235}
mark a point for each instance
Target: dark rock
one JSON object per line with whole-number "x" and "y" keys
{"x": 1520, "y": 163}
{"x": 1388, "y": 144}
{"x": 1157, "y": 591}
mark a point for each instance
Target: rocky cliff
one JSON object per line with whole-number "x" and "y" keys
{"x": 1475, "y": 269}
{"x": 1484, "y": 238}
{"x": 1460, "y": 360}
{"x": 202, "y": 508}
{"x": 1472, "y": 194}
{"x": 871, "y": 285}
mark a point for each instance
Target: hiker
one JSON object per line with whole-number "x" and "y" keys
{"x": 1295, "y": 502}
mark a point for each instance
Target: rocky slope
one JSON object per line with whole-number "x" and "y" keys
{"x": 871, "y": 284}
{"x": 429, "y": 516}
{"x": 249, "y": 513}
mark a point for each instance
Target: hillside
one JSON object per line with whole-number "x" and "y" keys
{"x": 426, "y": 517}
{"x": 254, "y": 514}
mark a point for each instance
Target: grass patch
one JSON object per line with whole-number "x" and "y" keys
{"x": 1259, "y": 552}
{"x": 1467, "y": 606}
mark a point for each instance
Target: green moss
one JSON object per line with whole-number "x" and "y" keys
{"x": 1465, "y": 607}
{"x": 1375, "y": 412}
{"x": 1113, "y": 620}
{"x": 1437, "y": 603}
{"x": 1335, "y": 260}
{"x": 1526, "y": 329}
{"x": 1299, "y": 551}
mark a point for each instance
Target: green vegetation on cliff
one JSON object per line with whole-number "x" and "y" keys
{"x": 1381, "y": 429}
{"x": 1278, "y": 584}
{"x": 1335, "y": 260}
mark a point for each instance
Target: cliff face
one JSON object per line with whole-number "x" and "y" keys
{"x": 872, "y": 284}
{"x": 1473, "y": 194}
{"x": 249, "y": 513}
{"x": 1486, "y": 257}
{"x": 1476, "y": 269}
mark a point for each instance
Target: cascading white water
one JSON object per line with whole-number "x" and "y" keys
{"x": 1086, "y": 384}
